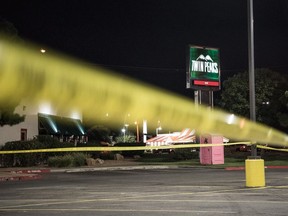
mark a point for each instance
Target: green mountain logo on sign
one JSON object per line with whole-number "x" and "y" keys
{"x": 204, "y": 64}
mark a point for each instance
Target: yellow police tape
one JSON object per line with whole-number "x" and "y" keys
{"x": 271, "y": 148}
{"x": 27, "y": 75}
{"x": 115, "y": 148}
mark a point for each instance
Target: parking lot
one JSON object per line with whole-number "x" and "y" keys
{"x": 181, "y": 191}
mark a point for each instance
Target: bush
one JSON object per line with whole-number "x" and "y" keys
{"x": 52, "y": 142}
{"x": 32, "y": 159}
{"x": 60, "y": 161}
{"x": 110, "y": 155}
{"x": 94, "y": 154}
{"x": 25, "y": 159}
{"x": 48, "y": 141}
{"x": 106, "y": 155}
{"x": 131, "y": 153}
{"x": 68, "y": 160}
{"x": 79, "y": 159}
{"x": 185, "y": 154}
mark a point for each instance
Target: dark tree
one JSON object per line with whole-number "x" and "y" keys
{"x": 270, "y": 88}
{"x": 99, "y": 134}
{"x": 283, "y": 113}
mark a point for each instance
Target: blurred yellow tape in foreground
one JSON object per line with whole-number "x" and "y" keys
{"x": 130, "y": 148}
{"x": 25, "y": 73}
{"x": 271, "y": 148}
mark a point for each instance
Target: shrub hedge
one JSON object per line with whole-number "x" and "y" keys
{"x": 131, "y": 153}
{"x": 27, "y": 159}
{"x": 68, "y": 160}
{"x": 31, "y": 159}
{"x": 47, "y": 142}
{"x": 62, "y": 159}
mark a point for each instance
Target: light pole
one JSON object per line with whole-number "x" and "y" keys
{"x": 137, "y": 130}
{"x": 126, "y": 127}
{"x": 254, "y": 166}
{"x": 157, "y": 130}
{"x": 123, "y": 130}
{"x": 251, "y": 69}
{"x": 158, "y": 127}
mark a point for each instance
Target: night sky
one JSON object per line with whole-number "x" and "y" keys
{"x": 147, "y": 40}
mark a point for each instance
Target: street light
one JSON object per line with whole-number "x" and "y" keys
{"x": 123, "y": 131}
{"x": 157, "y": 130}
{"x": 126, "y": 126}
{"x": 251, "y": 69}
{"x": 137, "y": 130}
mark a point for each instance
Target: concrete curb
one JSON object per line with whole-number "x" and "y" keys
{"x": 118, "y": 168}
{"x": 31, "y": 174}
{"x": 13, "y": 177}
{"x": 16, "y": 174}
{"x": 28, "y": 171}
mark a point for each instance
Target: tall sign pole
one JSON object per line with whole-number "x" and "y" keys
{"x": 254, "y": 166}
{"x": 251, "y": 68}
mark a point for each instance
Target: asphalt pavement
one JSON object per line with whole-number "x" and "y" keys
{"x": 33, "y": 173}
{"x": 141, "y": 191}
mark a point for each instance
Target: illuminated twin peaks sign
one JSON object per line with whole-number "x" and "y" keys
{"x": 204, "y": 64}
{"x": 203, "y": 68}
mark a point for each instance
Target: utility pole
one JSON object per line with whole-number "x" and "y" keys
{"x": 254, "y": 166}
{"x": 251, "y": 68}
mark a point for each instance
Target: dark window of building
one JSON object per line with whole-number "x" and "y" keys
{"x": 23, "y": 134}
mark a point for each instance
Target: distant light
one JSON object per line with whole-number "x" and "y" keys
{"x": 45, "y": 108}
{"x": 75, "y": 114}
{"x": 242, "y": 123}
{"x": 231, "y": 119}
{"x": 42, "y": 50}
{"x": 265, "y": 102}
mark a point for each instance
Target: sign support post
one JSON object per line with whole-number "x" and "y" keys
{"x": 254, "y": 165}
